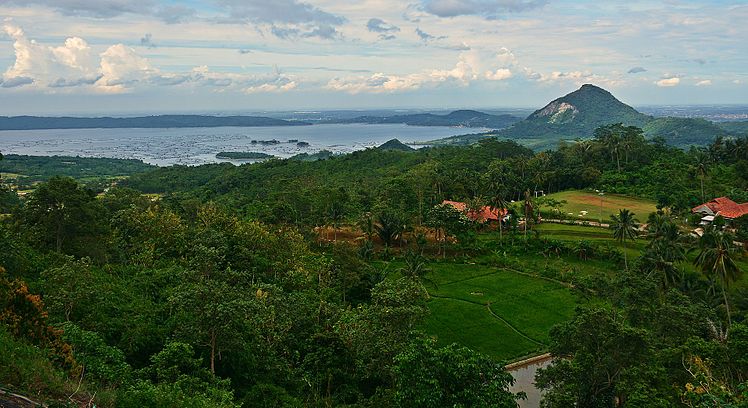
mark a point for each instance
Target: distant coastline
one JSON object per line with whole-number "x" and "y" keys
{"x": 144, "y": 122}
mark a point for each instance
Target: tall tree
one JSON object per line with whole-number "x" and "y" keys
{"x": 716, "y": 257}
{"x": 665, "y": 249}
{"x": 624, "y": 227}
{"x": 62, "y": 213}
{"x": 702, "y": 162}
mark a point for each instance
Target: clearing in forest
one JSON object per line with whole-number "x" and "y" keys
{"x": 501, "y": 313}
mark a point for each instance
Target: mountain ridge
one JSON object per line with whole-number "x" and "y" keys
{"x": 577, "y": 114}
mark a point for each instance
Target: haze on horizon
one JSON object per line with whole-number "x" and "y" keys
{"x": 119, "y": 56}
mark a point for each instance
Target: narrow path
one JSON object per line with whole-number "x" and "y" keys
{"x": 496, "y": 316}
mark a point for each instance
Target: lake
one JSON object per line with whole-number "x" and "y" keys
{"x": 195, "y": 146}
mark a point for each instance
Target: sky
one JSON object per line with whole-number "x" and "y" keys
{"x": 228, "y": 56}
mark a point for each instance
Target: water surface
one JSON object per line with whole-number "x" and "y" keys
{"x": 194, "y": 146}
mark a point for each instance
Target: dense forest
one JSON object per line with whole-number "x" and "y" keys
{"x": 294, "y": 283}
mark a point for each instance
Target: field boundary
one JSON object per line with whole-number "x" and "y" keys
{"x": 487, "y": 305}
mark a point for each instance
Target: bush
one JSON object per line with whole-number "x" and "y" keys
{"x": 100, "y": 362}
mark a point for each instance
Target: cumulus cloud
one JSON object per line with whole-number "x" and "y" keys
{"x": 636, "y": 70}
{"x": 498, "y": 75}
{"x": 575, "y": 77}
{"x": 119, "y": 68}
{"x": 71, "y": 62}
{"x": 471, "y": 66}
{"x": 668, "y": 82}
{"x": 705, "y": 82}
{"x": 485, "y": 8}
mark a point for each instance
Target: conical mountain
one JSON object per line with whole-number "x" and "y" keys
{"x": 577, "y": 114}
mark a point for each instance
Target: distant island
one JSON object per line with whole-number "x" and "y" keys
{"x": 243, "y": 155}
{"x": 153, "y": 122}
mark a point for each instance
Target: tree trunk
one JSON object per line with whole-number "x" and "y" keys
{"x": 625, "y": 257}
{"x": 727, "y": 306}
{"x": 213, "y": 351}
{"x": 58, "y": 237}
{"x": 703, "y": 197}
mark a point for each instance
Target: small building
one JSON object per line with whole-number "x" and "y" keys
{"x": 486, "y": 213}
{"x": 721, "y": 206}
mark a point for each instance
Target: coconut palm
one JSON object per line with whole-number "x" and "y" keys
{"x": 702, "y": 168}
{"x": 624, "y": 227}
{"x": 665, "y": 250}
{"x": 715, "y": 258}
{"x": 389, "y": 226}
{"x": 528, "y": 207}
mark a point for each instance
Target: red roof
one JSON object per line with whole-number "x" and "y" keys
{"x": 486, "y": 213}
{"x": 725, "y": 207}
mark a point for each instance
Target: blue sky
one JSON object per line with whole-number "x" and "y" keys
{"x": 77, "y": 56}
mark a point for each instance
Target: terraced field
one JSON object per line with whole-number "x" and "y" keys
{"x": 501, "y": 313}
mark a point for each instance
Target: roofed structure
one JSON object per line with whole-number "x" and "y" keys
{"x": 722, "y": 206}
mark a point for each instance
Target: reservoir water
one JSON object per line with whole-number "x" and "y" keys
{"x": 195, "y": 146}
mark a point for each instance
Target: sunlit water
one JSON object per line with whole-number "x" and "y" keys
{"x": 194, "y": 146}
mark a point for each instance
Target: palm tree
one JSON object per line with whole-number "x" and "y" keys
{"x": 528, "y": 210}
{"x": 665, "y": 249}
{"x": 715, "y": 258}
{"x": 335, "y": 214}
{"x": 498, "y": 192}
{"x": 389, "y": 226}
{"x": 624, "y": 227}
{"x": 702, "y": 168}
{"x": 416, "y": 268}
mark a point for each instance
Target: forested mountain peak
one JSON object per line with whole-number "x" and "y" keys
{"x": 588, "y": 105}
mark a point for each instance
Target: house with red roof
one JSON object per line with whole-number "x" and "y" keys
{"x": 486, "y": 213}
{"x": 721, "y": 206}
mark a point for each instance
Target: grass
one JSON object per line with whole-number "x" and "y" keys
{"x": 501, "y": 313}
{"x": 578, "y": 201}
{"x": 575, "y": 233}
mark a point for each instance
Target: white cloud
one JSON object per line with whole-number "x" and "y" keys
{"x": 706, "y": 82}
{"x": 499, "y": 75}
{"x": 471, "y": 66}
{"x": 668, "y": 82}
{"x": 74, "y": 66}
{"x": 73, "y": 62}
{"x": 122, "y": 67}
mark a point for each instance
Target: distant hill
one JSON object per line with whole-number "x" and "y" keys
{"x": 395, "y": 144}
{"x": 465, "y": 118}
{"x": 737, "y": 128}
{"x": 321, "y": 155}
{"x": 161, "y": 121}
{"x": 684, "y": 131}
{"x": 578, "y": 114}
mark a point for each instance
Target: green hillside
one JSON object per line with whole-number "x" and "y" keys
{"x": 684, "y": 131}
